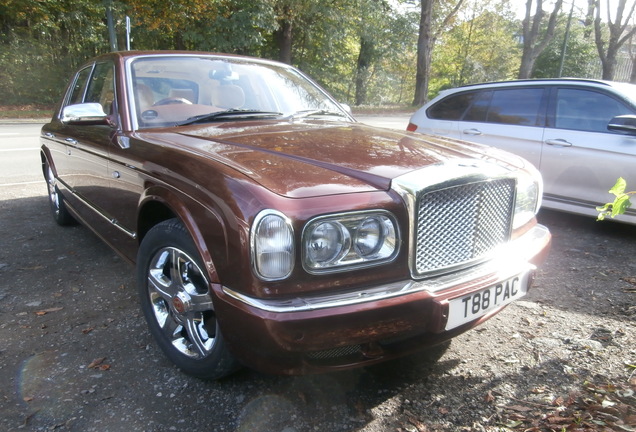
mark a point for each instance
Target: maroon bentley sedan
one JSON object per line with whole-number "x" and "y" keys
{"x": 269, "y": 229}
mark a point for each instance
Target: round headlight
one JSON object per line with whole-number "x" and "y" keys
{"x": 529, "y": 193}
{"x": 273, "y": 246}
{"x": 325, "y": 243}
{"x": 369, "y": 236}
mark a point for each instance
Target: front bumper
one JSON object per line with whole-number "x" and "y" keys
{"x": 369, "y": 325}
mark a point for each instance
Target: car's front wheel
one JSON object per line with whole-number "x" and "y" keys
{"x": 176, "y": 301}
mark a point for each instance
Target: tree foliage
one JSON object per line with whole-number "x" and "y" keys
{"x": 535, "y": 40}
{"x": 41, "y": 41}
{"x": 466, "y": 53}
{"x": 621, "y": 201}
{"x": 610, "y": 38}
{"x": 366, "y": 52}
{"x": 580, "y": 58}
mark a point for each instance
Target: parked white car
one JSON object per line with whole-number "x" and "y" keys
{"x": 581, "y": 134}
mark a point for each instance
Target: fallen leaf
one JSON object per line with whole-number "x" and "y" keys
{"x": 96, "y": 362}
{"x": 519, "y": 408}
{"x": 629, "y": 280}
{"x": 489, "y": 397}
{"x": 421, "y": 427}
{"x": 88, "y": 330}
{"x": 46, "y": 311}
{"x": 27, "y": 398}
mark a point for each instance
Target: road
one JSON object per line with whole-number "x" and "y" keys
{"x": 19, "y": 152}
{"x": 76, "y": 354}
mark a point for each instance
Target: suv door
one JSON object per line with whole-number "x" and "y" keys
{"x": 511, "y": 119}
{"x": 581, "y": 158}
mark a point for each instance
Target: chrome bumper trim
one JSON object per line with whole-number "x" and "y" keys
{"x": 503, "y": 266}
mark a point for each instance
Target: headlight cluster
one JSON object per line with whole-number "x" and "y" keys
{"x": 329, "y": 243}
{"x": 529, "y": 194}
{"x": 349, "y": 239}
{"x": 272, "y": 240}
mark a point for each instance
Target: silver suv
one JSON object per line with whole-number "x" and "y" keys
{"x": 581, "y": 134}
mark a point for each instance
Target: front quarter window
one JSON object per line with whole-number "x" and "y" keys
{"x": 79, "y": 86}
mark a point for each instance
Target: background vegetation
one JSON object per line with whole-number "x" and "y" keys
{"x": 366, "y": 52}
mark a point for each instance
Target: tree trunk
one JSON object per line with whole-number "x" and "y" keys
{"x": 527, "y": 63}
{"x": 608, "y": 50}
{"x": 362, "y": 70}
{"x": 533, "y": 45}
{"x": 284, "y": 41}
{"x": 424, "y": 44}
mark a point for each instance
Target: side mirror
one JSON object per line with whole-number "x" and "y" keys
{"x": 623, "y": 123}
{"x": 347, "y": 108}
{"x": 84, "y": 114}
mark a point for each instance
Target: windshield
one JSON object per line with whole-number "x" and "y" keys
{"x": 173, "y": 89}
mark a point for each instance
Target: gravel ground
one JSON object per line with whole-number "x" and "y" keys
{"x": 76, "y": 354}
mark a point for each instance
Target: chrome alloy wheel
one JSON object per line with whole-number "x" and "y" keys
{"x": 181, "y": 302}
{"x": 54, "y": 197}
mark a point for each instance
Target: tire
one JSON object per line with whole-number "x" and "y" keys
{"x": 175, "y": 298}
{"x": 58, "y": 208}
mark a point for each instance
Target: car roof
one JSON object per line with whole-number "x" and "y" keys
{"x": 626, "y": 90}
{"x": 541, "y": 81}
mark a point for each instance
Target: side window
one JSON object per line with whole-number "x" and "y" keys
{"x": 101, "y": 87}
{"x": 479, "y": 110}
{"x": 516, "y": 107}
{"x": 452, "y": 107}
{"x": 586, "y": 110}
{"x": 79, "y": 86}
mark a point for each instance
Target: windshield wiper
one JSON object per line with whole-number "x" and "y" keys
{"x": 312, "y": 112}
{"x": 231, "y": 113}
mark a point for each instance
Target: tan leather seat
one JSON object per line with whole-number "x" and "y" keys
{"x": 228, "y": 96}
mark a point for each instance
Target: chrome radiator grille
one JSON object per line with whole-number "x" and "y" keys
{"x": 461, "y": 224}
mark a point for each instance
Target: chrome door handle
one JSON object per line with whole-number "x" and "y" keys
{"x": 71, "y": 141}
{"x": 472, "y": 132}
{"x": 559, "y": 142}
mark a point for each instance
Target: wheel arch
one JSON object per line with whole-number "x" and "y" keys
{"x": 158, "y": 204}
{"x": 45, "y": 158}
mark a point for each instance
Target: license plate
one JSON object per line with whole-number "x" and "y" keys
{"x": 465, "y": 309}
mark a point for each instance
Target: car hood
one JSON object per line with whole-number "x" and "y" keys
{"x": 313, "y": 158}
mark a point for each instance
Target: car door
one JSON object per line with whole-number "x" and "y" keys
{"x": 83, "y": 169}
{"x": 582, "y": 159}
{"x": 511, "y": 119}
{"x": 60, "y": 138}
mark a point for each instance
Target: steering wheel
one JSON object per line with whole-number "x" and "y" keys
{"x": 171, "y": 101}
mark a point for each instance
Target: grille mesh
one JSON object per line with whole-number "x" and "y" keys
{"x": 462, "y": 223}
{"x": 334, "y": 353}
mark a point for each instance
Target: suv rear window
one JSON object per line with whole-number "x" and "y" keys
{"x": 518, "y": 106}
{"x": 452, "y": 107}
